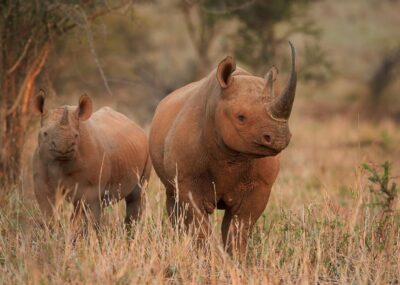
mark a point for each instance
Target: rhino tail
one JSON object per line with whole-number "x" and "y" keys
{"x": 144, "y": 177}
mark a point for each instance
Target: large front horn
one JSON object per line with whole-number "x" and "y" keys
{"x": 64, "y": 118}
{"x": 281, "y": 106}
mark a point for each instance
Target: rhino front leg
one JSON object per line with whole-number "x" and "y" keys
{"x": 185, "y": 208}
{"x": 238, "y": 221}
{"x": 45, "y": 199}
{"x": 86, "y": 213}
{"x": 46, "y": 204}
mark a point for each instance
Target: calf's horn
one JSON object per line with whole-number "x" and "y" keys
{"x": 64, "y": 118}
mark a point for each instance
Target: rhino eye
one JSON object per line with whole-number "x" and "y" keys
{"x": 241, "y": 117}
{"x": 45, "y": 134}
{"x": 76, "y": 135}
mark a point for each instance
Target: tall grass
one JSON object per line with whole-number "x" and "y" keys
{"x": 322, "y": 242}
{"x": 327, "y": 221}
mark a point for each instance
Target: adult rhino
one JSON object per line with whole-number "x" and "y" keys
{"x": 95, "y": 158}
{"x": 214, "y": 144}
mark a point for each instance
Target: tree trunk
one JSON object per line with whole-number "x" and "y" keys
{"x": 384, "y": 75}
{"x": 16, "y": 110}
{"x": 201, "y": 33}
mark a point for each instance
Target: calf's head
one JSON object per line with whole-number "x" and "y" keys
{"x": 59, "y": 134}
{"x": 249, "y": 118}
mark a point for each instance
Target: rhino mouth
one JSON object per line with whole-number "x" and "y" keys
{"x": 269, "y": 151}
{"x": 258, "y": 151}
{"x": 63, "y": 156}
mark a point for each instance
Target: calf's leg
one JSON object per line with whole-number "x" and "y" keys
{"x": 45, "y": 199}
{"x": 87, "y": 212}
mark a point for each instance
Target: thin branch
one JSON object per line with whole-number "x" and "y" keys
{"x": 94, "y": 16}
{"x": 190, "y": 26}
{"x": 230, "y": 9}
{"x": 18, "y": 62}
{"x": 94, "y": 53}
{"x": 204, "y": 37}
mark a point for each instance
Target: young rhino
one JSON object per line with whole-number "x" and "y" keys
{"x": 95, "y": 158}
{"x": 219, "y": 140}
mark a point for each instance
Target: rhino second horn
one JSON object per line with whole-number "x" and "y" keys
{"x": 64, "y": 118}
{"x": 281, "y": 107}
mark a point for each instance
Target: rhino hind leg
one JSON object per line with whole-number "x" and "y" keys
{"x": 134, "y": 205}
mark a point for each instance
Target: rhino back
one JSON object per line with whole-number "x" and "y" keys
{"x": 121, "y": 140}
{"x": 176, "y": 127}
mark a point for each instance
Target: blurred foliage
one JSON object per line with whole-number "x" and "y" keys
{"x": 203, "y": 28}
{"x": 263, "y": 27}
{"x": 258, "y": 37}
{"x": 191, "y": 37}
{"x": 318, "y": 66}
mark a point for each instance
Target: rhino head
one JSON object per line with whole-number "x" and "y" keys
{"x": 59, "y": 134}
{"x": 249, "y": 118}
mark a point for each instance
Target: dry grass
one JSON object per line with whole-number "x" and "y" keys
{"x": 319, "y": 227}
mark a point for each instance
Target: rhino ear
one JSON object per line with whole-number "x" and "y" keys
{"x": 224, "y": 71}
{"x": 270, "y": 78}
{"x": 38, "y": 103}
{"x": 85, "y": 108}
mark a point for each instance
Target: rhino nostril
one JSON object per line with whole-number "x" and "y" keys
{"x": 267, "y": 139}
{"x": 53, "y": 144}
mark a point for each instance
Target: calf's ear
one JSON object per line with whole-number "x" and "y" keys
{"x": 224, "y": 72}
{"x": 38, "y": 103}
{"x": 85, "y": 108}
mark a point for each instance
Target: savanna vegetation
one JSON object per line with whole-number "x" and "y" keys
{"x": 334, "y": 212}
